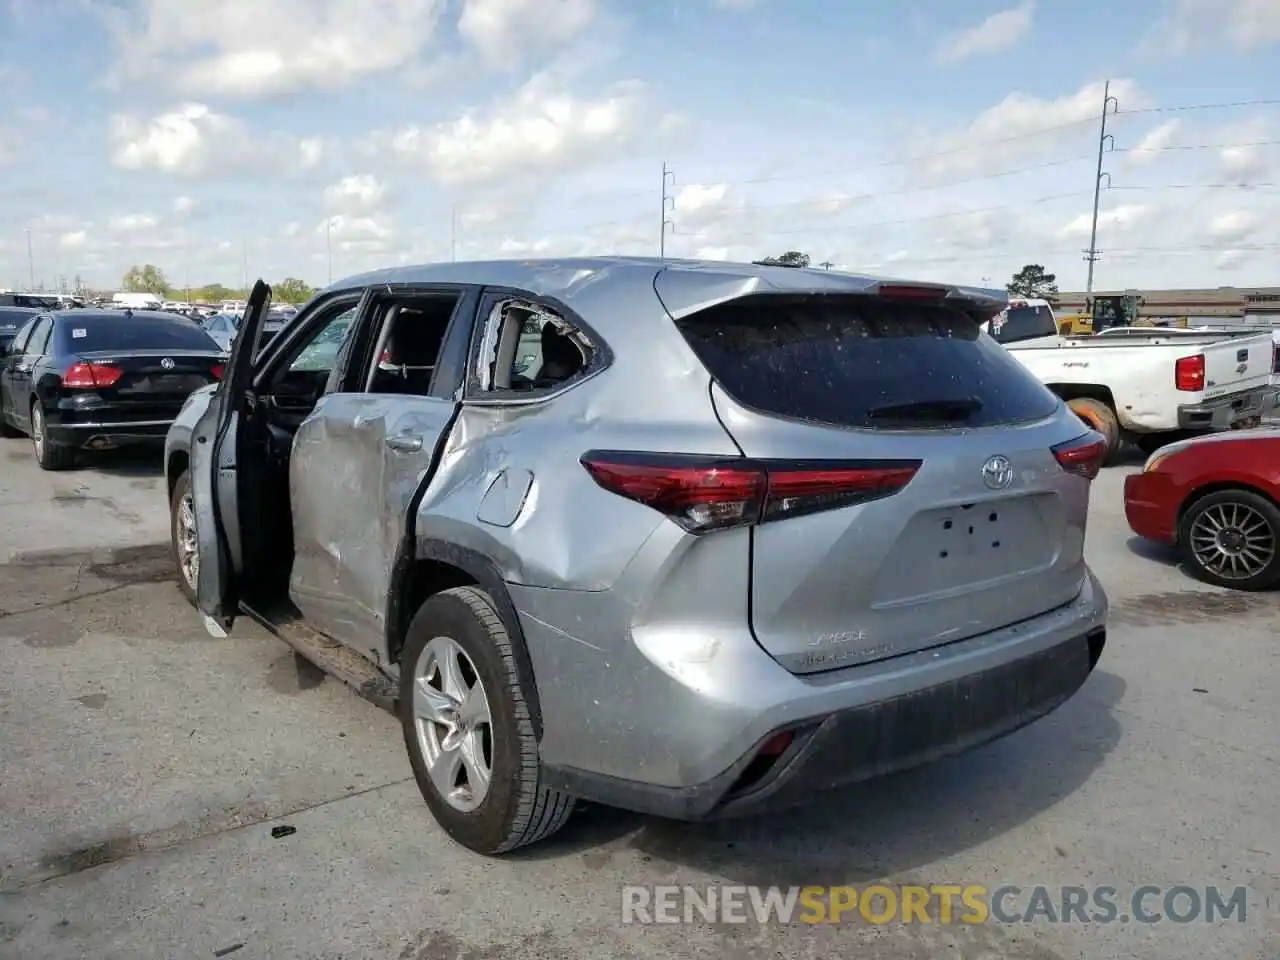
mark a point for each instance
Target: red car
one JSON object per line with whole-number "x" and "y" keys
{"x": 1215, "y": 498}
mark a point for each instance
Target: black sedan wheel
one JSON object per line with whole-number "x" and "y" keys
{"x": 49, "y": 455}
{"x": 1231, "y": 538}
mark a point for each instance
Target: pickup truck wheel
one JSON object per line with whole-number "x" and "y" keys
{"x": 1101, "y": 418}
{"x": 467, "y": 728}
{"x": 1231, "y": 538}
{"x": 182, "y": 535}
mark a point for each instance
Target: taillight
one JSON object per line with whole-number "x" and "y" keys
{"x": 910, "y": 291}
{"x": 217, "y": 370}
{"x": 711, "y": 493}
{"x": 1082, "y": 456}
{"x": 90, "y": 375}
{"x": 1188, "y": 373}
{"x": 386, "y": 357}
{"x": 1275, "y": 359}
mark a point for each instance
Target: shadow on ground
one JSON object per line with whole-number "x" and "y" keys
{"x": 140, "y": 462}
{"x": 882, "y": 828}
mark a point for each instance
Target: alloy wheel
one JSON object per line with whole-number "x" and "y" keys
{"x": 186, "y": 542}
{"x": 454, "y": 726}
{"x": 1233, "y": 541}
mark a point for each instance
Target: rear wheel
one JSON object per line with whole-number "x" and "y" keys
{"x": 1231, "y": 538}
{"x": 467, "y": 728}
{"x": 182, "y": 533}
{"x": 1101, "y": 418}
{"x": 50, "y": 455}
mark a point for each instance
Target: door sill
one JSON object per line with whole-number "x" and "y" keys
{"x": 335, "y": 659}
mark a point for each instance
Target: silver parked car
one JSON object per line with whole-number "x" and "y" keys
{"x": 693, "y": 539}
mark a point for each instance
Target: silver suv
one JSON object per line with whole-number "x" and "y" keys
{"x": 692, "y": 539}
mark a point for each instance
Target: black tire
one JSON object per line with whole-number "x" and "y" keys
{"x": 1100, "y": 417}
{"x": 50, "y": 455}
{"x": 181, "y": 489}
{"x": 516, "y": 810}
{"x": 1244, "y": 500}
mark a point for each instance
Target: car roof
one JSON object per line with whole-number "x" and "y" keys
{"x": 698, "y": 283}
{"x": 113, "y": 316}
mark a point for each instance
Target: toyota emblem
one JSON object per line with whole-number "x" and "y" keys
{"x": 997, "y": 473}
{"x": 167, "y": 363}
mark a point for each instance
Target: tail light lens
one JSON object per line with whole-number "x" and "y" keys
{"x": 1188, "y": 373}
{"x": 1082, "y": 456}
{"x": 217, "y": 370}
{"x": 712, "y": 493}
{"x": 90, "y": 375}
{"x": 911, "y": 291}
{"x": 386, "y": 356}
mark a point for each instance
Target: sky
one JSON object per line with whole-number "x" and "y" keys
{"x": 926, "y": 139}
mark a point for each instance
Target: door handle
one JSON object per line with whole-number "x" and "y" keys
{"x": 405, "y": 443}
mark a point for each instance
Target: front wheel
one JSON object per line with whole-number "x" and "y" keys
{"x": 1231, "y": 538}
{"x": 464, "y": 710}
{"x": 182, "y": 535}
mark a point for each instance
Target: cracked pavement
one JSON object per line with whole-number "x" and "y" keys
{"x": 143, "y": 766}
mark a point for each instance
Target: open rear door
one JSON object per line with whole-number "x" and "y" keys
{"x": 216, "y": 471}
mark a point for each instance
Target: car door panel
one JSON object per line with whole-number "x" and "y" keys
{"x": 220, "y": 468}
{"x": 357, "y": 461}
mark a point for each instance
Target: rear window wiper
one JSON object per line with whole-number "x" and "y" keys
{"x": 954, "y": 410}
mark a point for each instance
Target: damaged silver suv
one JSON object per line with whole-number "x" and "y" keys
{"x": 693, "y": 539}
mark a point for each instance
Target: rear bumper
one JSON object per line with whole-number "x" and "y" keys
{"x": 1228, "y": 412}
{"x": 846, "y": 726}
{"x": 1150, "y": 507}
{"x": 105, "y": 435}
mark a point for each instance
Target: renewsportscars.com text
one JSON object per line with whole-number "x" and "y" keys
{"x": 936, "y": 904}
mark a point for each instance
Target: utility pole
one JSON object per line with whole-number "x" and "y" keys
{"x": 1093, "y": 254}
{"x": 31, "y": 262}
{"x": 453, "y": 234}
{"x": 668, "y": 203}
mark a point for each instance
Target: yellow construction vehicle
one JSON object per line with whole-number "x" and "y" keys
{"x": 1102, "y": 313}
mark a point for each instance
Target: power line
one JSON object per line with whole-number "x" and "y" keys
{"x": 1230, "y": 104}
{"x": 1200, "y": 146}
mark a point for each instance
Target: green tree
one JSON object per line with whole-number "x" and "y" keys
{"x": 792, "y": 258}
{"x": 1031, "y": 281}
{"x": 147, "y": 278}
{"x": 292, "y": 290}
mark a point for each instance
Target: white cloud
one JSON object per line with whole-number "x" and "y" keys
{"x": 134, "y": 222}
{"x": 74, "y": 240}
{"x": 541, "y": 132}
{"x": 356, "y": 195}
{"x": 1189, "y": 24}
{"x": 998, "y": 32}
{"x": 1018, "y": 127}
{"x": 1152, "y": 144}
{"x": 1121, "y": 218}
{"x": 183, "y": 204}
{"x": 504, "y": 31}
{"x": 1234, "y": 225}
{"x": 192, "y": 141}
{"x": 243, "y": 49}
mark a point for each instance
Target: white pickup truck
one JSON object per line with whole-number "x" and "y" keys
{"x": 1146, "y": 384}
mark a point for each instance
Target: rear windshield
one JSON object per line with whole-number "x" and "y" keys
{"x": 1024, "y": 323}
{"x": 858, "y": 362}
{"x": 85, "y": 334}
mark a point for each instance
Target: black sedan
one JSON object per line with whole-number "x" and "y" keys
{"x": 11, "y": 321}
{"x": 97, "y": 379}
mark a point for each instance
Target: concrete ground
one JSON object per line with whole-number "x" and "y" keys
{"x": 144, "y": 767}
